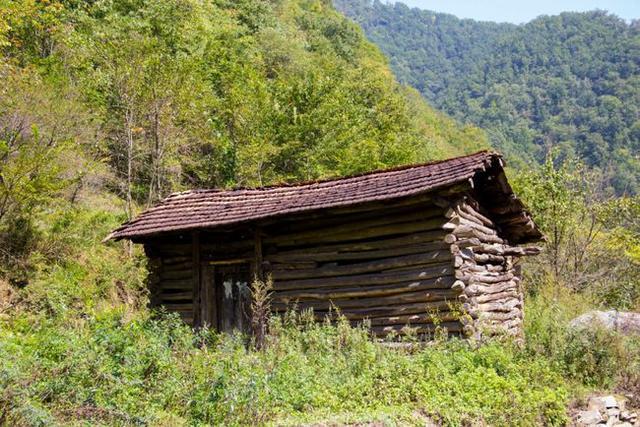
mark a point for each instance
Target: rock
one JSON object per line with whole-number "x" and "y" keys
{"x": 613, "y": 413}
{"x": 589, "y": 418}
{"x": 627, "y": 323}
{"x": 602, "y": 403}
{"x": 610, "y": 402}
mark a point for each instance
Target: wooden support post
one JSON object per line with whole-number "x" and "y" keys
{"x": 195, "y": 259}
{"x": 257, "y": 258}
{"x": 208, "y": 296}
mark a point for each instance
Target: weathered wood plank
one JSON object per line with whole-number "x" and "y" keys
{"x": 178, "y": 306}
{"x": 365, "y": 233}
{"x": 195, "y": 256}
{"x": 176, "y": 275}
{"x": 383, "y": 311}
{"x": 357, "y": 220}
{"x": 432, "y": 271}
{"x": 370, "y": 245}
{"x": 403, "y": 298}
{"x": 365, "y": 267}
{"x": 364, "y": 291}
{"x": 437, "y": 317}
{"x": 313, "y": 258}
{"x": 176, "y": 296}
{"x": 419, "y": 328}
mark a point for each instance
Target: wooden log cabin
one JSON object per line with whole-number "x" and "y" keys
{"x": 427, "y": 245}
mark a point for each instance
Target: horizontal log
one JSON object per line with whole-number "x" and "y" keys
{"x": 484, "y": 298}
{"x": 489, "y": 279}
{"x": 176, "y": 296}
{"x": 469, "y": 210}
{"x": 384, "y": 311}
{"x": 475, "y": 289}
{"x": 176, "y": 275}
{"x": 349, "y": 221}
{"x": 364, "y": 267}
{"x": 403, "y": 298}
{"x": 501, "y": 316}
{"x": 366, "y": 233}
{"x": 468, "y": 232}
{"x": 363, "y": 291}
{"x": 291, "y": 265}
{"x": 176, "y": 284}
{"x": 503, "y": 306}
{"x": 460, "y": 221}
{"x": 488, "y": 258}
{"x": 369, "y": 245}
{"x": 419, "y": 273}
{"x": 348, "y": 226}
{"x": 178, "y": 306}
{"x": 384, "y": 252}
{"x": 365, "y": 210}
{"x": 174, "y": 251}
{"x": 438, "y": 317}
{"x": 176, "y": 261}
{"x": 482, "y": 268}
{"x": 177, "y": 267}
{"x": 465, "y": 243}
{"x": 418, "y": 328}
{"x": 497, "y": 249}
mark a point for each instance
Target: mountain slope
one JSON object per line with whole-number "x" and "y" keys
{"x": 223, "y": 93}
{"x": 569, "y": 81}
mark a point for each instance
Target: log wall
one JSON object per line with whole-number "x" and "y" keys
{"x": 422, "y": 263}
{"x": 392, "y": 266}
{"x": 170, "y": 278}
{"x": 176, "y": 264}
{"x": 486, "y": 270}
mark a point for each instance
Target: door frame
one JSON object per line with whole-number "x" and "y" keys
{"x": 203, "y": 287}
{"x": 209, "y": 297}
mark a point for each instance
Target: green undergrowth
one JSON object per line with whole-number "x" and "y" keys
{"x": 121, "y": 367}
{"x": 79, "y": 347}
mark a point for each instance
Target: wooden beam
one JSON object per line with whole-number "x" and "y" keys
{"x": 257, "y": 257}
{"x": 417, "y": 273}
{"x": 195, "y": 258}
{"x": 365, "y": 291}
{"x": 433, "y": 257}
{"x": 428, "y": 237}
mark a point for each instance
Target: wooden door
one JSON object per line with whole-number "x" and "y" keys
{"x": 228, "y": 297}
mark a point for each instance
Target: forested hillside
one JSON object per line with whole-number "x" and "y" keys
{"x": 569, "y": 81}
{"x": 107, "y": 106}
{"x": 139, "y": 99}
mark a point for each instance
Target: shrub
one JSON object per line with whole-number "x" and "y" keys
{"x": 113, "y": 367}
{"x": 592, "y": 357}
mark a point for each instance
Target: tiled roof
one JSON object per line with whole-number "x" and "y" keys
{"x": 197, "y": 209}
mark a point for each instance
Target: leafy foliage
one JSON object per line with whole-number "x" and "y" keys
{"x": 568, "y": 81}
{"x": 141, "y": 99}
{"x": 592, "y": 238}
{"x": 109, "y": 369}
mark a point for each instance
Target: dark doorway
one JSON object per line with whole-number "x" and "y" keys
{"x": 227, "y": 297}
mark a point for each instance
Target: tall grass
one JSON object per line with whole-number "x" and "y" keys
{"x": 115, "y": 369}
{"x": 78, "y": 346}
{"x": 590, "y": 357}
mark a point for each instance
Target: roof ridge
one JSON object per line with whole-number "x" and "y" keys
{"x": 487, "y": 152}
{"x": 211, "y": 208}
